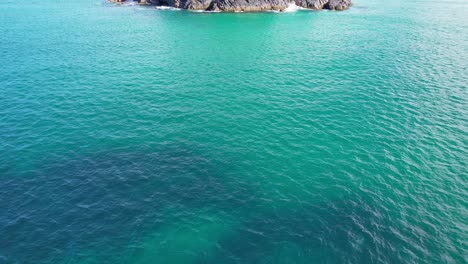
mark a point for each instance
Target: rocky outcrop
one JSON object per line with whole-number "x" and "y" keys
{"x": 247, "y": 5}
{"x": 338, "y": 4}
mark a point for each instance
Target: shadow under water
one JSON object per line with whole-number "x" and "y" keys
{"x": 70, "y": 205}
{"x": 175, "y": 206}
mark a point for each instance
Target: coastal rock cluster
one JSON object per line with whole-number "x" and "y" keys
{"x": 246, "y": 5}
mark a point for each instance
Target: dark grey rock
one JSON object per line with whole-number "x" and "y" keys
{"x": 249, "y": 5}
{"x": 312, "y": 4}
{"x": 338, "y": 4}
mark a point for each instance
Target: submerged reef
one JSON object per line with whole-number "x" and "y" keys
{"x": 246, "y": 5}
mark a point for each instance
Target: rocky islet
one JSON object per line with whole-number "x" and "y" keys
{"x": 246, "y": 5}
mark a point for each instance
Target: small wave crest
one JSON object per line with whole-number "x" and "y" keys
{"x": 167, "y": 8}
{"x": 203, "y": 11}
{"x": 292, "y": 7}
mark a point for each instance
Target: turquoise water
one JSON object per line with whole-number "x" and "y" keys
{"x": 132, "y": 135}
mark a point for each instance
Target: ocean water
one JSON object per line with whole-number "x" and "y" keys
{"x": 136, "y": 135}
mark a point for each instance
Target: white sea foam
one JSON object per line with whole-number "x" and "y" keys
{"x": 128, "y": 3}
{"x": 292, "y": 7}
{"x": 167, "y": 8}
{"x": 203, "y": 11}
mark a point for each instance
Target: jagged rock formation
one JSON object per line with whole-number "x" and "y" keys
{"x": 247, "y": 5}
